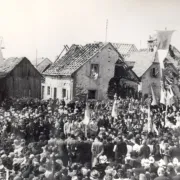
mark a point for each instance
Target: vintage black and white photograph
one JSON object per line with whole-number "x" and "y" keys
{"x": 89, "y": 90}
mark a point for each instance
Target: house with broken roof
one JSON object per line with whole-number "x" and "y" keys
{"x": 19, "y": 78}
{"x": 86, "y": 71}
{"x": 146, "y": 65}
{"x": 43, "y": 65}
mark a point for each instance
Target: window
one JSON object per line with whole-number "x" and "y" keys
{"x": 55, "y": 93}
{"x": 42, "y": 92}
{"x": 94, "y": 71}
{"x": 64, "y": 93}
{"x": 92, "y": 94}
{"x": 154, "y": 72}
{"x": 48, "y": 90}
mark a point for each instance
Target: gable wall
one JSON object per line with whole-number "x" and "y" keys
{"x": 82, "y": 80}
{"x": 23, "y": 81}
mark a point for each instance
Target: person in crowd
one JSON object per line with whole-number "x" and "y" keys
{"x": 48, "y": 140}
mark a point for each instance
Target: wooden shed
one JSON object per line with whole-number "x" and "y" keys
{"x": 19, "y": 78}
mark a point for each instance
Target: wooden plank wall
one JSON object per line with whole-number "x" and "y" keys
{"x": 24, "y": 81}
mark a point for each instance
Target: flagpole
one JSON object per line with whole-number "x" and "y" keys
{"x": 85, "y": 133}
{"x": 166, "y": 115}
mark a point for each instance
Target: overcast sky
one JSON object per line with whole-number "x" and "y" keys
{"x": 49, "y": 24}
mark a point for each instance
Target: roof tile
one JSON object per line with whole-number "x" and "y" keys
{"x": 74, "y": 59}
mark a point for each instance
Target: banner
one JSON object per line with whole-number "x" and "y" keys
{"x": 154, "y": 102}
{"x": 163, "y": 39}
{"x": 170, "y": 97}
{"x": 114, "y": 110}
{"x": 86, "y": 115}
{"x": 163, "y": 94}
{"x": 162, "y": 54}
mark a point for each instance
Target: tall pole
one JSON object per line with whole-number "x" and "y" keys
{"x": 36, "y": 57}
{"x": 106, "y": 30}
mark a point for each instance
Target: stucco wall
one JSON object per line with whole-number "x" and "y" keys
{"x": 147, "y": 80}
{"x": 83, "y": 82}
{"x": 59, "y": 83}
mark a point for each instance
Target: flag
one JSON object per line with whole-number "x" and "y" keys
{"x": 154, "y": 102}
{"x": 163, "y": 94}
{"x": 114, "y": 110}
{"x": 162, "y": 54}
{"x": 170, "y": 97}
{"x": 163, "y": 39}
{"x": 86, "y": 115}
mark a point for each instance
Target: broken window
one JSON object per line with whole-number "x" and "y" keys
{"x": 94, "y": 71}
{"x": 92, "y": 94}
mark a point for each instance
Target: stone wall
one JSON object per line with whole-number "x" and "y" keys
{"x": 82, "y": 80}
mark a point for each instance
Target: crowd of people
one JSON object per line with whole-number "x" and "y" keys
{"x": 48, "y": 140}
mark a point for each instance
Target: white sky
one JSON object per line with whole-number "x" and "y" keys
{"x": 49, "y": 24}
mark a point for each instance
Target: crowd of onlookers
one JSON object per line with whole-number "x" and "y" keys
{"x": 48, "y": 140}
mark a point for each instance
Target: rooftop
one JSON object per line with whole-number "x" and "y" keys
{"x": 77, "y": 56}
{"x": 43, "y": 65}
{"x": 143, "y": 60}
{"x": 125, "y": 49}
{"x": 8, "y": 65}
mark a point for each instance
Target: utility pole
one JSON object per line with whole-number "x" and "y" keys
{"x": 1, "y": 47}
{"x": 36, "y": 58}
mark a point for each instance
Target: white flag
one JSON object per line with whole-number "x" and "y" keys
{"x": 154, "y": 102}
{"x": 170, "y": 97}
{"x": 86, "y": 115}
{"x": 163, "y": 96}
{"x": 162, "y": 54}
{"x": 114, "y": 110}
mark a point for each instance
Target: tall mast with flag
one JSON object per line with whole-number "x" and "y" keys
{"x": 163, "y": 39}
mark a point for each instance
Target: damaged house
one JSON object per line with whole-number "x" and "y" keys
{"x": 93, "y": 70}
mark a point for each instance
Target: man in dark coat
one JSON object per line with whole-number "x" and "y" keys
{"x": 120, "y": 150}
{"x": 145, "y": 150}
